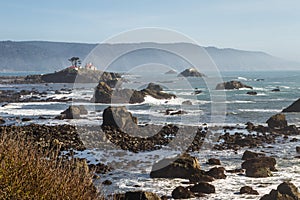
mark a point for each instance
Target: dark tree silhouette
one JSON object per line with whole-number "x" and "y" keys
{"x": 74, "y": 61}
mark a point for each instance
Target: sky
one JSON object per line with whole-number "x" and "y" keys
{"x": 272, "y": 26}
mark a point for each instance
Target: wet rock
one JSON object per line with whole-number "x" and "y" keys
{"x": 252, "y": 93}
{"x": 249, "y": 155}
{"x": 2, "y": 121}
{"x": 248, "y": 190}
{"x": 73, "y": 112}
{"x": 294, "y": 107}
{"x": 118, "y": 117}
{"x": 285, "y": 191}
{"x": 298, "y": 149}
{"x": 277, "y": 121}
{"x": 231, "y": 85}
{"x": 214, "y": 161}
{"x": 183, "y": 167}
{"x": 141, "y": 195}
{"x": 61, "y": 137}
{"x": 191, "y": 72}
{"x": 182, "y": 193}
{"x": 217, "y": 173}
{"x": 175, "y": 112}
{"x": 107, "y": 182}
{"x": 102, "y": 93}
{"x": 105, "y": 94}
{"x": 196, "y": 178}
{"x": 203, "y": 187}
{"x": 99, "y": 168}
{"x": 26, "y": 119}
{"x": 259, "y": 167}
{"x": 275, "y": 90}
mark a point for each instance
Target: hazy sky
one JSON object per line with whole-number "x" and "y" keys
{"x": 265, "y": 25}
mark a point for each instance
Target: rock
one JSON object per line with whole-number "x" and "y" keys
{"x": 259, "y": 167}
{"x": 99, "y": 168}
{"x": 231, "y": 85}
{"x": 73, "y": 112}
{"x": 277, "y": 121}
{"x": 289, "y": 189}
{"x": 217, "y": 173}
{"x": 249, "y": 155}
{"x": 252, "y": 93}
{"x": 285, "y": 191}
{"x": 156, "y": 91}
{"x": 294, "y": 107}
{"x": 107, "y": 182}
{"x": 203, "y": 188}
{"x": 102, "y": 93}
{"x": 187, "y": 102}
{"x": 196, "y": 178}
{"x": 182, "y": 193}
{"x": 183, "y": 167}
{"x": 298, "y": 149}
{"x": 26, "y": 119}
{"x": 275, "y": 90}
{"x": 175, "y": 112}
{"x": 141, "y": 195}
{"x": 118, "y": 117}
{"x": 214, "y": 161}
{"x": 248, "y": 190}
{"x": 191, "y": 72}
{"x": 2, "y": 121}
{"x": 105, "y": 94}
{"x": 171, "y": 72}
{"x": 69, "y": 75}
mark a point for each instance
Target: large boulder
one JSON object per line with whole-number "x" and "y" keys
{"x": 277, "y": 121}
{"x": 259, "y": 167}
{"x": 191, "y": 72}
{"x": 183, "y": 167}
{"x": 217, "y": 172}
{"x": 230, "y": 85}
{"x": 102, "y": 93}
{"x": 118, "y": 117}
{"x": 73, "y": 112}
{"x": 285, "y": 191}
{"x": 294, "y": 107}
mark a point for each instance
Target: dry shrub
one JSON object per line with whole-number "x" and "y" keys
{"x": 26, "y": 172}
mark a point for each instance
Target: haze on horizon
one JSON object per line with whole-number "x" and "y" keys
{"x": 271, "y": 26}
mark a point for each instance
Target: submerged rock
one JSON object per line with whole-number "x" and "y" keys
{"x": 252, "y": 93}
{"x": 231, "y": 85}
{"x": 294, "y": 107}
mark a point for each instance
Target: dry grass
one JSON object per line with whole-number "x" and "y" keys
{"x": 28, "y": 173}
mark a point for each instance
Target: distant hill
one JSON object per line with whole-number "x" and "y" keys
{"x": 51, "y": 56}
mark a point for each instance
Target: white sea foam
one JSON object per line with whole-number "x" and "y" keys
{"x": 260, "y": 110}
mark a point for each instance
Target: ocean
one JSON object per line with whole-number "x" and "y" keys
{"x": 210, "y": 107}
